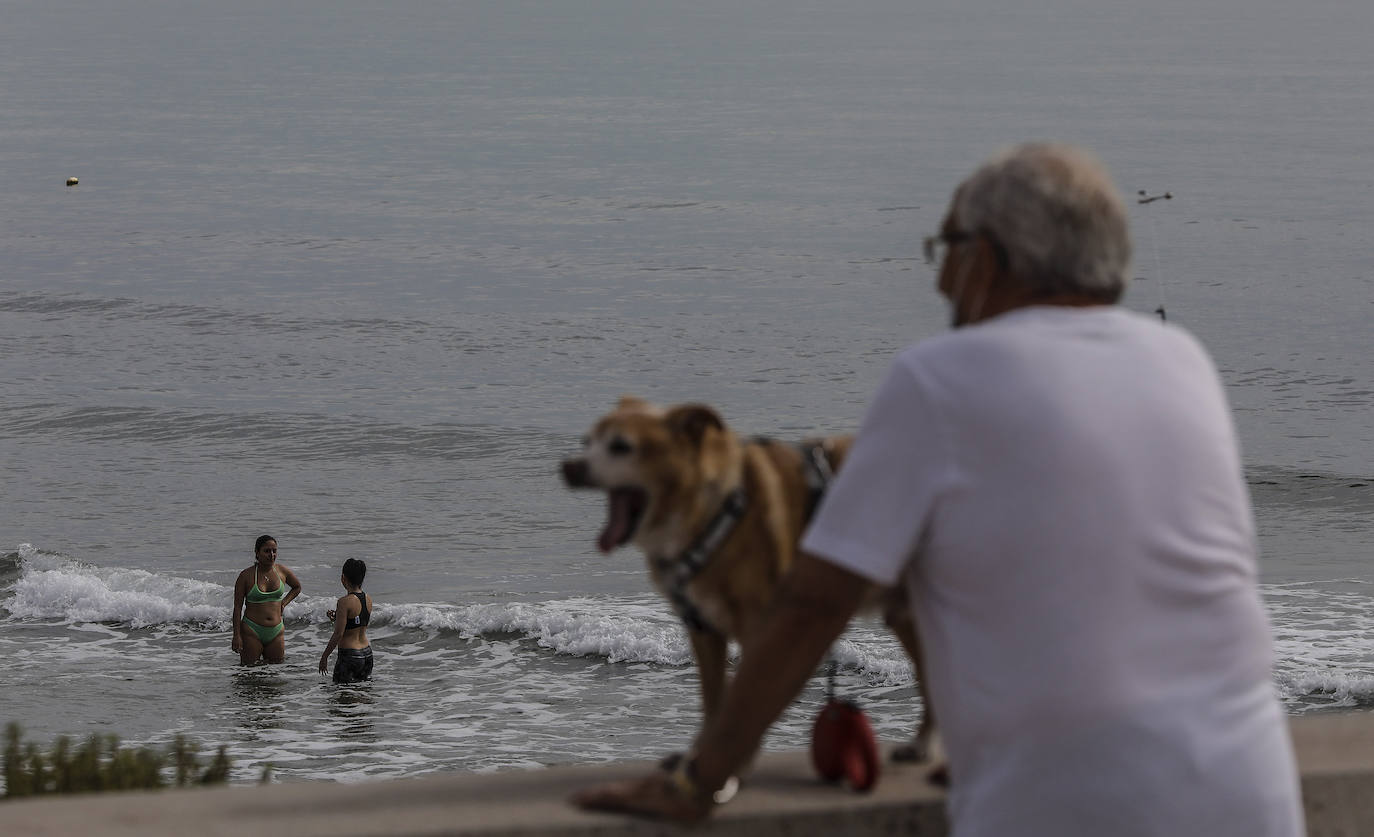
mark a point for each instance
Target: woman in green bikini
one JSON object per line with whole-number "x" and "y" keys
{"x": 261, "y": 594}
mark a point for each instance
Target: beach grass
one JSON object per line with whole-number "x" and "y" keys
{"x": 102, "y": 764}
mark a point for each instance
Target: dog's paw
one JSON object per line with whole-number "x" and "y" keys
{"x": 938, "y": 775}
{"x": 910, "y": 753}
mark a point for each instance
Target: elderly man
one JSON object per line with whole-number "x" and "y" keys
{"x": 1058, "y": 483}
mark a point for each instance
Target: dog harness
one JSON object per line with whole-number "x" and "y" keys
{"x": 815, "y": 467}
{"x": 692, "y": 561}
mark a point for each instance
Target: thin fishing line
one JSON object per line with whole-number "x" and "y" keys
{"x": 1154, "y": 246}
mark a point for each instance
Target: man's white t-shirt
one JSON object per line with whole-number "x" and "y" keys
{"x": 1062, "y": 490}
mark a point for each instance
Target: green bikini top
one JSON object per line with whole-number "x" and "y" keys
{"x": 257, "y": 596}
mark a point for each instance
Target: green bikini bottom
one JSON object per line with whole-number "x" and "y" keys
{"x": 265, "y": 635}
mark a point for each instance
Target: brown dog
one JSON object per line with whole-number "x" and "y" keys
{"x": 719, "y": 521}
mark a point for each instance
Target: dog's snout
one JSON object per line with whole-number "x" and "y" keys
{"x": 576, "y": 474}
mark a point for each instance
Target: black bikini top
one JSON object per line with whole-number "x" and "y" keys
{"x": 363, "y": 617}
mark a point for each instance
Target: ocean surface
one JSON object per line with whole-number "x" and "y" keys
{"x": 360, "y": 274}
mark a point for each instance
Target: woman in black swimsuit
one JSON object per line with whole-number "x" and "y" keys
{"x": 351, "y": 615}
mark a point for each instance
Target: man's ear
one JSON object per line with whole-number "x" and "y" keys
{"x": 693, "y": 421}
{"x": 991, "y": 252}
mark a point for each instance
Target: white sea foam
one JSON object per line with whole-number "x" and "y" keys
{"x": 55, "y": 587}
{"x": 1323, "y": 633}
{"x": 619, "y": 630}
{"x": 494, "y": 685}
{"x": 1324, "y": 644}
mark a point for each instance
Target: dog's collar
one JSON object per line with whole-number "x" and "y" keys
{"x": 694, "y": 559}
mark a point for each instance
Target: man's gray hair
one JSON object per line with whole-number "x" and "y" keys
{"x": 1055, "y": 215}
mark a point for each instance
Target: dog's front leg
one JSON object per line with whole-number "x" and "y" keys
{"x": 709, "y": 648}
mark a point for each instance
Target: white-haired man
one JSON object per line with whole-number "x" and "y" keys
{"x": 1058, "y": 482}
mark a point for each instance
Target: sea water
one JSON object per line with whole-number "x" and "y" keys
{"x": 359, "y": 275}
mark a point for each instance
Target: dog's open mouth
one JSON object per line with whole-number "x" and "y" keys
{"x": 624, "y": 508}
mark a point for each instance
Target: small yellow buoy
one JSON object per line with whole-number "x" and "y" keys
{"x": 72, "y": 181}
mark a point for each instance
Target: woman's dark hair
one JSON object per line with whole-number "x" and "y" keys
{"x": 354, "y": 570}
{"x": 262, "y": 539}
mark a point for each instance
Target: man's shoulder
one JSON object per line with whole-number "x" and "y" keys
{"x": 1008, "y": 341}
{"x": 1015, "y": 328}
{"x": 950, "y": 346}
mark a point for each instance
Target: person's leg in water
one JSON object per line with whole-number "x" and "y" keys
{"x": 343, "y": 667}
{"x": 353, "y": 665}
{"x": 270, "y": 643}
{"x": 274, "y": 651}
{"x": 250, "y": 649}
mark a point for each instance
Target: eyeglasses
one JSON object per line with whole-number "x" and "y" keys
{"x": 936, "y": 247}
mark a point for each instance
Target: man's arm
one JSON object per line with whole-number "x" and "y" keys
{"x": 812, "y": 608}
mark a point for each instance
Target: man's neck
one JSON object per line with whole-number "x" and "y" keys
{"x": 1005, "y": 301}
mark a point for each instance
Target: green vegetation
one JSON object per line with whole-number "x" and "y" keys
{"x": 101, "y": 764}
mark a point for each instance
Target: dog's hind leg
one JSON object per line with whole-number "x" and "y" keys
{"x": 710, "y": 649}
{"x": 898, "y": 618}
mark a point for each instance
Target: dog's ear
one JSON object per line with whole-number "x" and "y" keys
{"x": 693, "y": 420}
{"x": 632, "y": 402}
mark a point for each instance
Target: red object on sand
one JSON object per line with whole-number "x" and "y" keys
{"x": 843, "y": 746}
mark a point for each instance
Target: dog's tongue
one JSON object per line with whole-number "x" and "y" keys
{"x": 618, "y": 517}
